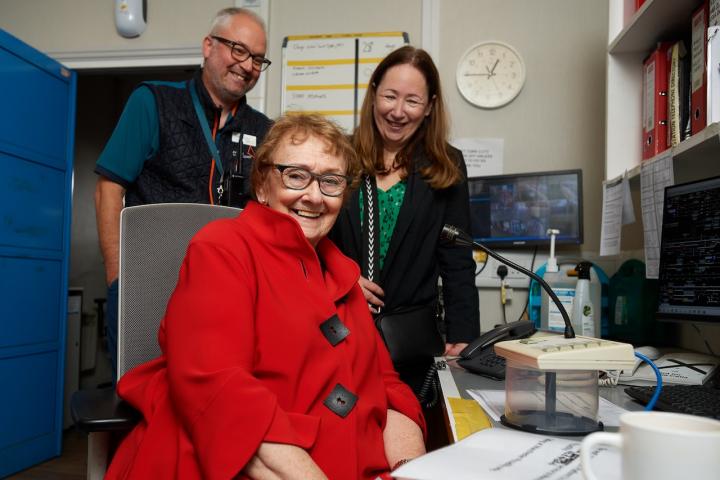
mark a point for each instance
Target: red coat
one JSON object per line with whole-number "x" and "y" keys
{"x": 244, "y": 360}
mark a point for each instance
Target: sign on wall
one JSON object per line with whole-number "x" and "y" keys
{"x": 329, "y": 74}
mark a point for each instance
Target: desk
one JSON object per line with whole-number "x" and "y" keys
{"x": 455, "y": 381}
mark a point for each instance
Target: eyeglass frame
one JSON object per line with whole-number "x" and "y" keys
{"x": 410, "y": 103}
{"x": 413, "y": 104}
{"x": 264, "y": 61}
{"x": 313, "y": 176}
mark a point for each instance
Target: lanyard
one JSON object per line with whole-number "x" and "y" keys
{"x": 205, "y": 127}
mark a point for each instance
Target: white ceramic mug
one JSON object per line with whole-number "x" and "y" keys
{"x": 660, "y": 446}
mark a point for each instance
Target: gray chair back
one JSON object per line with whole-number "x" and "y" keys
{"x": 153, "y": 242}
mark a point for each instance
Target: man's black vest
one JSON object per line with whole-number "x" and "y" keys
{"x": 181, "y": 169}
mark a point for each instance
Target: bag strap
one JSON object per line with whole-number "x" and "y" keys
{"x": 205, "y": 127}
{"x": 370, "y": 230}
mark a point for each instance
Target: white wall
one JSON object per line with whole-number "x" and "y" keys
{"x": 89, "y": 25}
{"x": 557, "y": 121}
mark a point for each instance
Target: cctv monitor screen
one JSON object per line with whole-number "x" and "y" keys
{"x": 517, "y": 210}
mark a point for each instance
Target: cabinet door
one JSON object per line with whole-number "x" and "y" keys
{"x": 37, "y": 120}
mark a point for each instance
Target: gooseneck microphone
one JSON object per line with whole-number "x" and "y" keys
{"x": 453, "y": 235}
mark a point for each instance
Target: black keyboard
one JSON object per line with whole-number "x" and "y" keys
{"x": 692, "y": 399}
{"x": 487, "y": 364}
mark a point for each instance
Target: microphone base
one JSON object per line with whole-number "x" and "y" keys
{"x": 538, "y": 421}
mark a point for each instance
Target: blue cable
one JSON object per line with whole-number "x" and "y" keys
{"x": 651, "y": 404}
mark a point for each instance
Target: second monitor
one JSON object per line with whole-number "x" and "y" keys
{"x": 518, "y": 209}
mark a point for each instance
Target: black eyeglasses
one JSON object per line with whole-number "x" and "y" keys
{"x": 241, "y": 53}
{"x": 298, "y": 178}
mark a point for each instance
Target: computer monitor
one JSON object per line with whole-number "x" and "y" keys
{"x": 689, "y": 274}
{"x": 517, "y": 210}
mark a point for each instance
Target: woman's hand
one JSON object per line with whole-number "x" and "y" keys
{"x": 454, "y": 349}
{"x": 403, "y": 438}
{"x": 279, "y": 461}
{"x": 373, "y": 294}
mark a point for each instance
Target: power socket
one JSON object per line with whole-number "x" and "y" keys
{"x": 489, "y": 278}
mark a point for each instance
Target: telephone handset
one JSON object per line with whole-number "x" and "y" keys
{"x": 478, "y": 357}
{"x": 509, "y": 331}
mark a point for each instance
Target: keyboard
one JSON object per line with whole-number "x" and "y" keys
{"x": 487, "y": 364}
{"x": 692, "y": 399}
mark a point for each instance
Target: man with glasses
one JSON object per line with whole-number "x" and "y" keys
{"x": 190, "y": 142}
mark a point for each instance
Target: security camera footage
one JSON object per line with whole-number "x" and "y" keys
{"x": 517, "y": 210}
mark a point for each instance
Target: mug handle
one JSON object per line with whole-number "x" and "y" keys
{"x": 587, "y": 445}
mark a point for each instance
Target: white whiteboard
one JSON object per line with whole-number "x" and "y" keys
{"x": 328, "y": 74}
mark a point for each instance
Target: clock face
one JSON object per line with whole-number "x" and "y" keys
{"x": 490, "y": 74}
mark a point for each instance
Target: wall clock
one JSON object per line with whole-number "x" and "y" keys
{"x": 490, "y": 74}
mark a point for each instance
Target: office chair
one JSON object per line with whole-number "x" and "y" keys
{"x": 153, "y": 241}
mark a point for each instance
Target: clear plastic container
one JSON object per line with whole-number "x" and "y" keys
{"x": 564, "y": 287}
{"x": 553, "y": 402}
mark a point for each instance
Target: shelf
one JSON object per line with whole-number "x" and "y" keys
{"x": 655, "y": 21}
{"x": 699, "y": 145}
{"x": 707, "y": 141}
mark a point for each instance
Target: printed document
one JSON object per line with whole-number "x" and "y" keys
{"x": 503, "y": 454}
{"x": 612, "y": 208}
{"x": 483, "y": 156}
{"x": 654, "y": 177}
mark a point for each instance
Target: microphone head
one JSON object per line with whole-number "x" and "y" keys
{"x": 454, "y": 236}
{"x": 448, "y": 234}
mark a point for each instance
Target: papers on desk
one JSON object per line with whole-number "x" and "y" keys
{"x": 493, "y": 401}
{"x": 501, "y": 454}
{"x": 676, "y": 368}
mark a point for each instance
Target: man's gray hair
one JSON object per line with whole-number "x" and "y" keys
{"x": 223, "y": 17}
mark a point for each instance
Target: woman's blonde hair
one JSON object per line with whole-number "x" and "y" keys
{"x": 443, "y": 170}
{"x": 298, "y": 128}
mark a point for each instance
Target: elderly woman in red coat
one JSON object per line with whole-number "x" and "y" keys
{"x": 271, "y": 367}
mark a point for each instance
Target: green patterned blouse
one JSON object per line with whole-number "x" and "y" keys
{"x": 389, "y": 203}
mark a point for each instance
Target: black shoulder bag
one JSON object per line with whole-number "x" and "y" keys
{"x": 410, "y": 332}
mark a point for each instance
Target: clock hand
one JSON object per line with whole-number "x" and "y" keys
{"x": 492, "y": 70}
{"x": 476, "y": 74}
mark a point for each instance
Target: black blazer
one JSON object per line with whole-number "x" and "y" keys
{"x": 415, "y": 257}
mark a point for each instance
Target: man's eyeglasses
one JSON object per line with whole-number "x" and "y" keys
{"x": 298, "y": 178}
{"x": 241, "y": 53}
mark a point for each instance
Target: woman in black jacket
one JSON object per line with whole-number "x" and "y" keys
{"x": 419, "y": 184}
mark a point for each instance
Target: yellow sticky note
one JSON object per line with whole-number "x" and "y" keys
{"x": 469, "y": 417}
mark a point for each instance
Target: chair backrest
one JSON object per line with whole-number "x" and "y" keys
{"x": 153, "y": 242}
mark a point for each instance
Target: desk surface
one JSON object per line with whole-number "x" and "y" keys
{"x": 455, "y": 381}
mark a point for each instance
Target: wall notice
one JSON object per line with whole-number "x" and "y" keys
{"x": 483, "y": 156}
{"x": 328, "y": 74}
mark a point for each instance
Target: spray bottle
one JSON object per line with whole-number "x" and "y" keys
{"x": 583, "y": 312}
